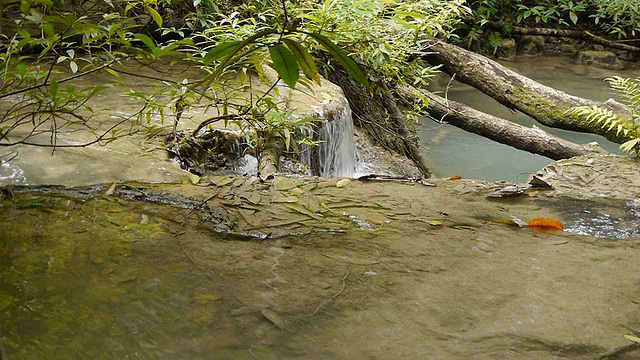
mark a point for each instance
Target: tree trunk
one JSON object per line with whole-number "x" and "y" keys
{"x": 576, "y": 34}
{"x": 533, "y": 140}
{"x": 543, "y": 103}
{"x": 269, "y": 163}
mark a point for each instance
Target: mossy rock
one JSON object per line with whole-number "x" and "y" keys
{"x": 560, "y": 45}
{"x": 603, "y": 59}
{"x": 507, "y": 50}
{"x": 531, "y": 45}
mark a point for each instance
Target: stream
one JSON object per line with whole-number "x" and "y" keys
{"x": 133, "y": 260}
{"x": 453, "y": 151}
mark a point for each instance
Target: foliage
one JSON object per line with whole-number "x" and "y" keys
{"x": 629, "y": 92}
{"x": 50, "y": 44}
{"x": 616, "y": 18}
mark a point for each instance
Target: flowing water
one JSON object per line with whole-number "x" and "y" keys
{"x": 453, "y": 151}
{"x": 337, "y": 154}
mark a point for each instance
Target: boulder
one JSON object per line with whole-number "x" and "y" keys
{"x": 531, "y": 45}
{"x": 507, "y": 50}
{"x": 561, "y": 45}
{"x": 603, "y": 59}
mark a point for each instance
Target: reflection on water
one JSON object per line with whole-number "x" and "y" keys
{"x": 455, "y": 151}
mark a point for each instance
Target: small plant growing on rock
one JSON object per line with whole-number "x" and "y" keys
{"x": 627, "y": 126}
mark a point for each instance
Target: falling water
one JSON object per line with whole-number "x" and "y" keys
{"x": 336, "y": 152}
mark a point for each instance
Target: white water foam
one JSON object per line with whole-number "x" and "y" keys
{"x": 336, "y": 152}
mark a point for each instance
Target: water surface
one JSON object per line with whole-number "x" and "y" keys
{"x": 456, "y": 152}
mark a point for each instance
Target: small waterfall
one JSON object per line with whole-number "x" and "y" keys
{"x": 336, "y": 152}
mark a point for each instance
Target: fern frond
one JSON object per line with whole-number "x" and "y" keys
{"x": 604, "y": 118}
{"x": 495, "y": 41}
{"x": 628, "y": 89}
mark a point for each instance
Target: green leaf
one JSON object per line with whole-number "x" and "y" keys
{"x": 146, "y": 40}
{"x": 285, "y": 64}
{"x": 305, "y": 60}
{"x": 53, "y": 88}
{"x": 573, "y": 17}
{"x": 155, "y": 15}
{"x": 219, "y": 51}
{"x": 342, "y": 58}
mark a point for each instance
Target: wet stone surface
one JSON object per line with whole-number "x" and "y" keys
{"x": 310, "y": 269}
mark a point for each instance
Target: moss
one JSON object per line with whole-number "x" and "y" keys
{"x": 604, "y": 59}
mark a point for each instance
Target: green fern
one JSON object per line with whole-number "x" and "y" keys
{"x": 495, "y": 41}
{"x": 629, "y": 127}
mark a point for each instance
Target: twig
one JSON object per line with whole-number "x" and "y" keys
{"x": 344, "y": 286}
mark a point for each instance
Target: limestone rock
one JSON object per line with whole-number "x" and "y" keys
{"x": 531, "y": 45}
{"x": 603, "y": 59}
{"x": 507, "y": 50}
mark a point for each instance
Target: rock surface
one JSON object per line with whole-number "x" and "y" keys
{"x": 369, "y": 269}
{"x": 603, "y": 59}
{"x": 507, "y": 50}
{"x": 531, "y": 45}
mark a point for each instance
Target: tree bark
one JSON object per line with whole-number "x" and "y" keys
{"x": 533, "y": 140}
{"x": 269, "y": 163}
{"x": 576, "y": 34}
{"x": 543, "y": 103}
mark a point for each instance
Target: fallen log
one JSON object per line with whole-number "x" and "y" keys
{"x": 543, "y": 103}
{"x": 576, "y": 34}
{"x": 533, "y": 140}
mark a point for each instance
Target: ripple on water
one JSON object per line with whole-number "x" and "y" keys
{"x": 613, "y": 221}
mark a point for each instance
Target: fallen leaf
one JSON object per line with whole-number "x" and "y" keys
{"x": 194, "y": 178}
{"x": 454, "y": 177}
{"x": 435, "y": 223}
{"x": 505, "y": 221}
{"x": 545, "y": 222}
{"x": 538, "y": 183}
{"x": 635, "y": 339}
{"x": 221, "y": 180}
{"x": 273, "y": 317}
{"x": 110, "y": 190}
{"x": 342, "y": 183}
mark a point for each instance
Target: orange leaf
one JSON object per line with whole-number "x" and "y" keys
{"x": 546, "y": 222}
{"x": 454, "y": 177}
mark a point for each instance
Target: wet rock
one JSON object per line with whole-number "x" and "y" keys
{"x": 531, "y": 45}
{"x": 509, "y": 191}
{"x": 560, "y": 45}
{"x": 507, "y": 50}
{"x": 603, "y": 59}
